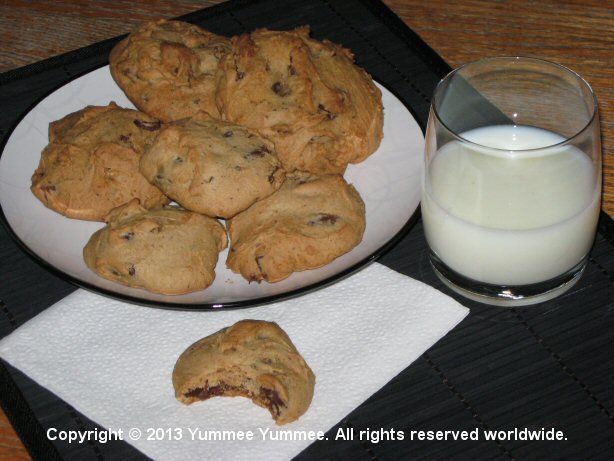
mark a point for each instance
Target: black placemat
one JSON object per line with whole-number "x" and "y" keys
{"x": 543, "y": 366}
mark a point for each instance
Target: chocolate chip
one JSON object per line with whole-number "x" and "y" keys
{"x": 148, "y": 126}
{"x": 328, "y": 113}
{"x": 272, "y": 175}
{"x": 257, "y": 153}
{"x": 131, "y": 270}
{"x": 228, "y": 134}
{"x": 127, "y": 235}
{"x": 205, "y": 392}
{"x": 280, "y": 89}
{"x": 272, "y": 400}
{"x": 324, "y": 218}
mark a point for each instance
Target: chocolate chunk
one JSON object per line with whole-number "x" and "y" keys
{"x": 272, "y": 175}
{"x": 148, "y": 126}
{"x": 257, "y": 153}
{"x": 272, "y": 400}
{"x": 324, "y": 218}
{"x": 280, "y": 89}
{"x": 328, "y": 113}
{"x": 206, "y": 392}
{"x": 127, "y": 235}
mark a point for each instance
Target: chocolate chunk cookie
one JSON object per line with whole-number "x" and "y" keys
{"x": 320, "y": 109}
{"x": 168, "y": 68}
{"x": 91, "y": 164}
{"x": 253, "y": 359}
{"x": 308, "y": 223}
{"x": 167, "y": 250}
{"x": 212, "y": 167}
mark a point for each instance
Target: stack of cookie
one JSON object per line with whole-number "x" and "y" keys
{"x": 256, "y": 130}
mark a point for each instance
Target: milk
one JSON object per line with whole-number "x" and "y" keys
{"x": 510, "y": 218}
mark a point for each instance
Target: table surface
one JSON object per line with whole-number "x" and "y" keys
{"x": 577, "y": 34}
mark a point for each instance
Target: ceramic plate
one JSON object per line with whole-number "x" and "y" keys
{"x": 388, "y": 182}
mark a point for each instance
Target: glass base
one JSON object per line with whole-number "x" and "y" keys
{"x": 506, "y": 296}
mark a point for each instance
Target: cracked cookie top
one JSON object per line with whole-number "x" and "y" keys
{"x": 319, "y": 108}
{"x": 91, "y": 164}
{"x": 168, "y": 69}
{"x": 212, "y": 167}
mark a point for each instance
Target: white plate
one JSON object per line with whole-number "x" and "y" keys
{"x": 388, "y": 182}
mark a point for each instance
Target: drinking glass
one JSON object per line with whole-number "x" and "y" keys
{"x": 512, "y": 184}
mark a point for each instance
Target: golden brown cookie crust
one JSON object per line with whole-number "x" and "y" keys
{"x": 168, "y": 69}
{"x": 168, "y": 250}
{"x": 91, "y": 164}
{"x": 252, "y": 358}
{"x": 319, "y": 108}
{"x": 212, "y": 167}
{"x": 307, "y": 223}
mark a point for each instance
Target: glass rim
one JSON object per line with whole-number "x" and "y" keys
{"x": 567, "y": 139}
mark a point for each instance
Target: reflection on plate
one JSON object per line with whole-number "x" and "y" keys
{"x": 388, "y": 182}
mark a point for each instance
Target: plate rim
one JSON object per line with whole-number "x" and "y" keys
{"x": 199, "y": 307}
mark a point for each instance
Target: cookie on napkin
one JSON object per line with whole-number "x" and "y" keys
{"x": 253, "y": 359}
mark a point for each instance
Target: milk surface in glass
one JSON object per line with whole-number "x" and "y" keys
{"x": 506, "y": 216}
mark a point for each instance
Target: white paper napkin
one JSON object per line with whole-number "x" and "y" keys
{"x": 113, "y": 361}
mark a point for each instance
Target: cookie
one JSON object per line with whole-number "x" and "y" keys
{"x": 308, "y": 223}
{"x": 167, "y": 250}
{"x": 168, "y": 68}
{"x": 253, "y": 359}
{"x": 319, "y": 108}
{"x": 91, "y": 164}
{"x": 212, "y": 167}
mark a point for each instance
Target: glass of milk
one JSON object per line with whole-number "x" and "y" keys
{"x": 512, "y": 184}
